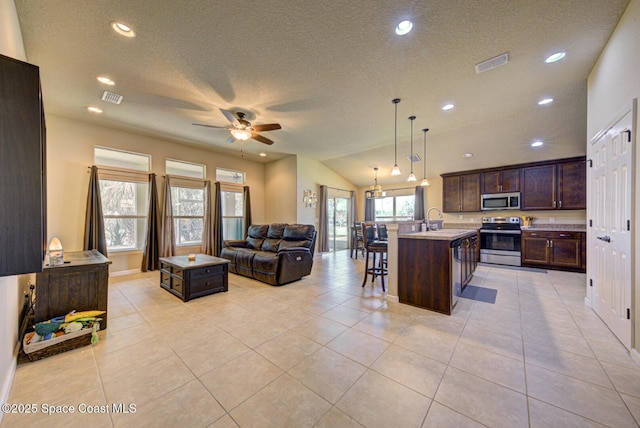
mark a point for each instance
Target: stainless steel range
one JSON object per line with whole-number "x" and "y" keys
{"x": 500, "y": 240}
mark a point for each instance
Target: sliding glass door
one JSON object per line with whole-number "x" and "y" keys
{"x": 338, "y": 223}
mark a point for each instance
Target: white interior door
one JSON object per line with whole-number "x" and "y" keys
{"x": 609, "y": 236}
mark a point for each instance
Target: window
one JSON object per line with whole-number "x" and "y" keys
{"x": 395, "y": 208}
{"x": 187, "y": 203}
{"x": 230, "y": 176}
{"x": 232, "y": 215}
{"x": 124, "y": 197}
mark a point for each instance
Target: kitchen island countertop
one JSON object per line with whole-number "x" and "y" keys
{"x": 439, "y": 235}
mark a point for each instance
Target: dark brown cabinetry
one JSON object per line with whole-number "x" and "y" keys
{"x": 80, "y": 284}
{"x": 507, "y": 180}
{"x": 22, "y": 169}
{"x": 554, "y": 249}
{"x": 552, "y": 186}
{"x": 461, "y": 193}
{"x": 190, "y": 279}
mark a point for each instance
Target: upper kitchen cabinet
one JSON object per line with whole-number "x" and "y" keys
{"x": 555, "y": 185}
{"x": 22, "y": 172}
{"x": 498, "y": 181}
{"x": 461, "y": 192}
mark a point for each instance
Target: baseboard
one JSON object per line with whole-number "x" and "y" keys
{"x": 8, "y": 380}
{"x": 394, "y": 299}
{"x": 124, "y": 272}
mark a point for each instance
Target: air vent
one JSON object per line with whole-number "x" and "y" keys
{"x": 110, "y": 97}
{"x": 492, "y": 63}
{"x": 413, "y": 158}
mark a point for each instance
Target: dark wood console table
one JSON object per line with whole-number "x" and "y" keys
{"x": 190, "y": 279}
{"x": 81, "y": 283}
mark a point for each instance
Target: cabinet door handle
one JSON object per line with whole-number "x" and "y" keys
{"x": 550, "y": 243}
{"x": 564, "y": 235}
{"x": 560, "y": 203}
{"x": 534, "y": 234}
{"x": 554, "y": 204}
{"x": 604, "y": 238}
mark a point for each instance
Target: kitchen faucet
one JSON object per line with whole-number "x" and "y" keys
{"x": 429, "y": 212}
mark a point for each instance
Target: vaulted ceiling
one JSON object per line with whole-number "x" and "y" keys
{"x": 327, "y": 72}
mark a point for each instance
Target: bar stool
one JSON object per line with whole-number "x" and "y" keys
{"x": 357, "y": 241}
{"x": 379, "y": 251}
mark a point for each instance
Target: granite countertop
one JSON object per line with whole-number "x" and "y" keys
{"x": 440, "y": 235}
{"x": 553, "y": 227}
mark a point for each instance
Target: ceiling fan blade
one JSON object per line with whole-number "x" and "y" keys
{"x": 266, "y": 127}
{"x": 260, "y": 138}
{"x": 209, "y": 126}
{"x": 230, "y": 140}
{"x": 230, "y": 117}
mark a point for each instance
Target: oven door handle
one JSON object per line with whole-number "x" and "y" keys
{"x": 506, "y": 232}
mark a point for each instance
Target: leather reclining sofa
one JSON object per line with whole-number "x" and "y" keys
{"x": 276, "y": 254}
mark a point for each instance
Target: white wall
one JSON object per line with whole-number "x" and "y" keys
{"x": 281, "y": 191}
{"x": 10, "y": 296}
{"x": 70, "y": 152}
{"x": 612, "y": 85}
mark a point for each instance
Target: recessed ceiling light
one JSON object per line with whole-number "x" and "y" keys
{"x": 94, "y": 109}
{"x": 263, "y": 154}
{"x": 105, "y": 80}
{"x": 123, "y": 29}
{"x": 447, "y": 107}
{"x": 545, "y": 101}
{"x": 403, "y": 28}
{"x": 537, "y": 144}
{"x": 467, "y": 155}
{"x": 555, "y": 57}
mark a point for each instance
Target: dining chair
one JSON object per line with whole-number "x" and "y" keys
{"x": 378, "y": 249}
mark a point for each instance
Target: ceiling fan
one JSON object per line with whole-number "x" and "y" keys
{"x": 241, "y": 129}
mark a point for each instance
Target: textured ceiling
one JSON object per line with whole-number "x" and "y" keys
{"x": 327, "y": 72}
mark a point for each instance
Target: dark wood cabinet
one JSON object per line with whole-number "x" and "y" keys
{"x": 554, "y": 249}
{"x": 560, "y": 185}
{"x": 498, "y": 181}
{"x": 469, "y": 251}
{"x": 22, "y": 169}
{"x": 461, "y": 193}
{"x": 80, "y": 284}
{"x": 190, "y": 279}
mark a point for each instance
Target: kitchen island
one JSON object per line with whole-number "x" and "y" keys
{"x": 434, "y": 267}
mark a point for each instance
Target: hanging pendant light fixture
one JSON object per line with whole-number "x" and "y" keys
{"x": 395, "y": 170}
{"x": 412, "y": 176}
{"x": 424, "y": 181}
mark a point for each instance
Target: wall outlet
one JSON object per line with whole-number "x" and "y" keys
{"x": 552, "y": 219}
{"x": 460, "y": 217}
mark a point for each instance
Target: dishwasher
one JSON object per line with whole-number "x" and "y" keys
{"x": 455, "y": 275}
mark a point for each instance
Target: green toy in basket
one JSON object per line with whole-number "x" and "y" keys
{"x": 73, "y": 321}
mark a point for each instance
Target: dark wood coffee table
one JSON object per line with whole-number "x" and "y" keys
{"x": 190, "y": 279}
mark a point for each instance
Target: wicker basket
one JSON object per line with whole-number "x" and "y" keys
{"x": 66, "y": 342}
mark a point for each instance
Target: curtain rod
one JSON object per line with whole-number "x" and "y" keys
{"x": 342, "y": 190}
{"x": 126, "y": 171}
{"x": 180, "y": 177}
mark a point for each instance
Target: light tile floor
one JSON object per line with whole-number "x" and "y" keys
{"x": 325, "y": 352}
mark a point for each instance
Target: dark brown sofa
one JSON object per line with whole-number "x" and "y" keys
{"x": 277, "y": 253}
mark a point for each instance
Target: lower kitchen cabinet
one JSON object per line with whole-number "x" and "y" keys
{"x": 554, "y": 250}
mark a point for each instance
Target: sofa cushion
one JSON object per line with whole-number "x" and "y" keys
{"x": 258, "y": 231}
{"x": 271, "y": 244}
{"x": 299, "y": 232}
{"x": 276, "y": 230}
{"x": 254, "y": 243}
{"x": 284, "y": 244}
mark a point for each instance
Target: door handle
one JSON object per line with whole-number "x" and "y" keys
{"x": 604, "y": 238}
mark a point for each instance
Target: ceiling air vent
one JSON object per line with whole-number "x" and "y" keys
{"x": 413, "y": 158}
{"x": 492, "y": 63}
{"x": 110, "y": 97}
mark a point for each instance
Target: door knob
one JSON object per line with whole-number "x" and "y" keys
{"x": 604, "y": 238}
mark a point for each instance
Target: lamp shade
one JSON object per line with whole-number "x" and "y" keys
{"x": 56, "y": 253}
{"x": 240, "y": 134}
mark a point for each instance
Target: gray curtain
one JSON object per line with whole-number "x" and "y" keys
{"x": 207, "y": 230}
{"x": 94, "y": 237}
{"x": 151, "y": 252}
{"x": 247, "y": 209}
{"x": 217, "y": 221}
{"x": 323, "y": 225}
{"x": 369, "y": 209}
{"x": 418, "y": 213}
{"x": 168, "y": 238}
{"x": 354, "y": 215}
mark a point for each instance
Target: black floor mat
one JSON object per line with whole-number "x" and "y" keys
{"x": 473, "y": 292}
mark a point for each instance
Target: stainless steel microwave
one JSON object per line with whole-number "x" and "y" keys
{"x": 501, "y": 201}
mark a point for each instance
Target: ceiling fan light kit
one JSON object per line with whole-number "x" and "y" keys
{"x": 241, "y": 129}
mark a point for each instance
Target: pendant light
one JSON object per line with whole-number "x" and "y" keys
{"x": 424, "y": 181}
{"x": 412, "y": 176}
{"x": 395, "y": 170}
